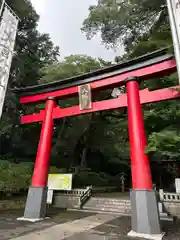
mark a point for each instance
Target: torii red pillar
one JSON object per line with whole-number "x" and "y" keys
{"x": 37, "y": 196}
{"x": 145, "y": 214}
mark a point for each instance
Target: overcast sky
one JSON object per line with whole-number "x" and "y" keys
{"x": 63, "y": 20}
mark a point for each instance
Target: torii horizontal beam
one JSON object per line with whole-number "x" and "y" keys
{"x": 146, "y": 96}
{"x": 156, "y": 70}
{"x": 157, "y": 64}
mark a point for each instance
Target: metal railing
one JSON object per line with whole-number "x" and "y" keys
{"x": 85, "y": 196}
{"x": 76, "y": 192}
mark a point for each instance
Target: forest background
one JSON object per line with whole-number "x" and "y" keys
{"x": 95, "y": 145}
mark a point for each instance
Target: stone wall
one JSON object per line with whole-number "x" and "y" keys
{"x": 170, "y": 202}
{"x": 66, "y": 202}
{"x": 172, "y": 208}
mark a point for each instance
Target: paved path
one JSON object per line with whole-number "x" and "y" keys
{"x": 64, "y": 226}
{"x": 70, "y": 229}
{"x": 73, "y": 226}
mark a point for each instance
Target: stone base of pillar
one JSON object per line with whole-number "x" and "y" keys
{"x": 146, "y": 236}
{"x": 35, "y": 208}
{"x": 145, "y": 215}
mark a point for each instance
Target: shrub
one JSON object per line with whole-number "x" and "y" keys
{"x": 89, "y": 178}
{"x": 54, "y": 169}
{"x": 14, "y": 177}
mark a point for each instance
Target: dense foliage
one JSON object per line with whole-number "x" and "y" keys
{"x": 129, "y": 23}
{"x": 142, "y": 27}
{"x": 97, "y": 141}
{"x": 33, "y": 51}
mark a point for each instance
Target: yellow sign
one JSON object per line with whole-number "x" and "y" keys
{"x": 60, "y": 181}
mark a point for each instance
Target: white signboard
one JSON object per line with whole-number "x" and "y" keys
{"x": 174, "y": 18}
{"x": 49, "y": 196}
{"x": 177, "y": 185}
{"x": 8, "y": 30}
{"x": 60, "y": 182}
{"x": 176, "y": 13}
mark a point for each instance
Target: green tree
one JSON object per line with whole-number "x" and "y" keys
{"x": 127, "y": 23}
{"x": 33, "y": 51}
{"x": 141, "y": 27}
{"x": 71, "y": 66}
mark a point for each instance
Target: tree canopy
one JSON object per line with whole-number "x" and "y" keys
{"x": 129, "y": 23}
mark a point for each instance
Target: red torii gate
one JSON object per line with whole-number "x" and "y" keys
{"x": 145, "y": 215}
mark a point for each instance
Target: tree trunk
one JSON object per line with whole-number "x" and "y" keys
{"x": 84, "y": 157}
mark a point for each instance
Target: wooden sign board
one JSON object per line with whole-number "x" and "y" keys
{"x": 85, "y": 101}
